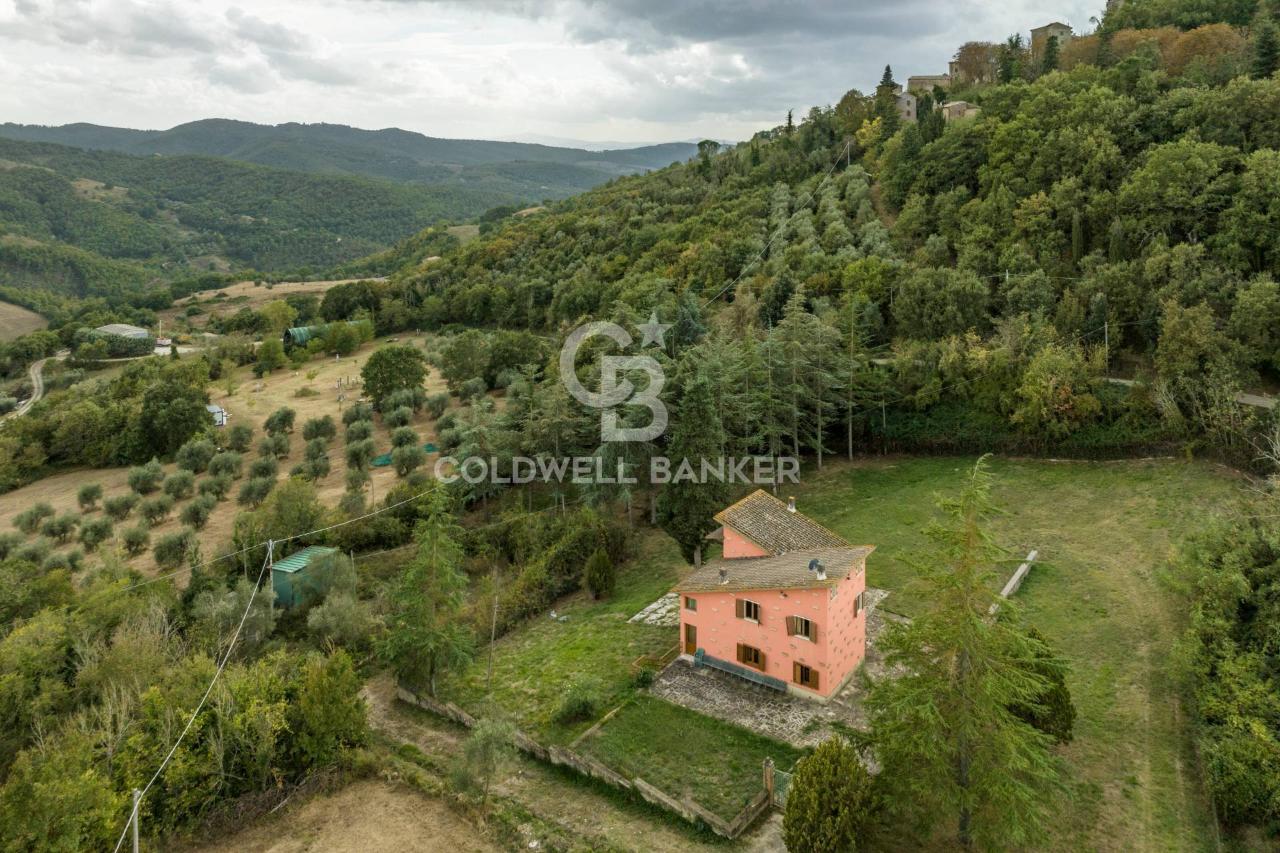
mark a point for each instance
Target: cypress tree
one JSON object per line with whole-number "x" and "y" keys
{"x": 1266, "y": 45}
{"x": 1050, "y": 61}
{"x": 686, "y": 506}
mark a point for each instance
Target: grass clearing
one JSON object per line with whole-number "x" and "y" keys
{"x": 16, "y": 321}
{"x": 718, "y": 764}
{"x": 1104, "y": 531}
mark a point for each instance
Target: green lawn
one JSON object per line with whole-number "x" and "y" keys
{"x": 533, "y": 665}
{"x": 1104, "y": 532}
{"x": 680, "y": 752}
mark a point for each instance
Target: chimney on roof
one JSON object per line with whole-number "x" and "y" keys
{"x": 791, "y": 504}
{"x": 724, "y": 575}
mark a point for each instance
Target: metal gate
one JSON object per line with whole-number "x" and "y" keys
{"x": 781, "y": 786}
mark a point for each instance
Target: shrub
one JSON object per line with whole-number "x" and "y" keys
{"x": 319, "y": 428}
{"x": 194, "y": 456}
{"x": 7, "y": 404}
{"x": 157, "y": 509}
{"x": 94, "y": 532}
{"x": 61, "y": 527}
{"x": 238, "y": 437}
{"x": 406, "y": 459}
{"x": 173, "y": 548}
{"x": 275, "y": 445}
{"x": 35, "y": 551}
{"x": 136, "y": 539}
{"x": 28, "y": 521}
{"x": 472, "y": 388}
{"x": 358, "y": 412}
{"x": 645, "y": 676}
{"x": 352, "y": 503}
{"x": 436, "y": 404}
{"x": 359, "y": 453}
{"x": 830, "y": 802}
{"x": 314, "y": 469}
{"x": 280, "y": 421}
{"x": 120, "y": 506}
{"x": 215, "y": 487}
{"x": 404, "y": 437}
{"x": 55, "y": 561}
{"x": 196, "y": 513}
{"x": 359, "y": 431}
{"x": 599, "y": 575}
{"x": 317, "y": 448}
{"x": 357, "y": 479}
{"x": 145, "y": 479}
{"x": 255, "y": 491}
{"x": 581, "y": 701}
{"x": 9, "y": 542}
{"x": 180, "y": 485}
{"x": 228, "y": 463}
{"x": 89, "y": 495}
{"x": 402, "y": 416}
{"x": 414, "y": 398}
{"x": 265, "y": 467}
{"x": 342, "y": 619}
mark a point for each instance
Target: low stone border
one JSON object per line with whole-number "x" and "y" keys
{"x": 686, "y": 808}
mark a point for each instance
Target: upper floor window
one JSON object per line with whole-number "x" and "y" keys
{"x": 798, "y": 626}
{"x": 747, "y": 609}
{"x": 690, "y": 603}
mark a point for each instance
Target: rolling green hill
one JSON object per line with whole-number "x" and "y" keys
{"x": 391, "y": 154}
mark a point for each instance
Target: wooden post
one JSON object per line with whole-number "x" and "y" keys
{"x": 768, "y": 777}
{"x": 137, "y": 816}
{"x": 271, "y": 574}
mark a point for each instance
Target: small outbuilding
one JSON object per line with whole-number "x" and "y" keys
{"x": 123, "y": 330}
{"x": 289, "y": 576}
{"x": 219, "y": 414}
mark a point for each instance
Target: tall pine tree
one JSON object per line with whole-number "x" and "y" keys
{"x": 944, "y": 731}
{"x": 1265, "y": 44}
{"x": 685, "y": 508}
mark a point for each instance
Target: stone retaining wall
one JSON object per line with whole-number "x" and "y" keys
{"x": 588, "y": 766}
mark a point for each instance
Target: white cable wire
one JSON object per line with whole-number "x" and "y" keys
{"x": 133, "y": 812}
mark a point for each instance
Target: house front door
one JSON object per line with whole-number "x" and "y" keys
{"x": 690, "y": 639}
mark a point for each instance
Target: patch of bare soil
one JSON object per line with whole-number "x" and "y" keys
{"x": 366, "y": 815}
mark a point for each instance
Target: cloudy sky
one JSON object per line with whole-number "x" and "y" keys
{"x": 598, "y": 70}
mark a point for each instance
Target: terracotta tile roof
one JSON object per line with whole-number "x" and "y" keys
{"x": 766, "y": 521}
{"x": 786, "y": 571}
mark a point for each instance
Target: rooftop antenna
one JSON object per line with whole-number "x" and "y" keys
{"x": 815, "y": 565}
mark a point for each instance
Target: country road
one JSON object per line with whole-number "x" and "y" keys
{"x": 36, "y": 372}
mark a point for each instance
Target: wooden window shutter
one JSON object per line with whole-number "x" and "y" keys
{"x": 792, "y": 627}
{"x": 761, "y": 664}
{"x": 739, "y": 608}
{"x": 741, "y": 656}
{"x": 795, "y": 673}
{"x": 813, "y": 631}
{"x": 813, "y": 678}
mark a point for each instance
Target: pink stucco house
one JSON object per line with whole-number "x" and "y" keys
{"x": 784, "y": 606}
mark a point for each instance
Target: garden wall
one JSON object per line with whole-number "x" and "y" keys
{"x": 587, "y": 766}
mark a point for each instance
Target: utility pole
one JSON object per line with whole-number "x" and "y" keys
{"x": 137, "y": 816}
{"x": 270, "y": 573}
{"x": 493, "y": 632}
{"x": 1106, "y": 341}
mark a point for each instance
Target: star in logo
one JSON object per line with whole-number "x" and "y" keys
{"x": 653, "y": 331}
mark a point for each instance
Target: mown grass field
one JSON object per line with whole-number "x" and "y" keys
{"x": 1104, "y": 532}
{"x": 16, "y": 321}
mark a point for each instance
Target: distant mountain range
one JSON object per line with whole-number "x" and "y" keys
{"x": 87, "y": 210}
{"x": 390, "y": 154}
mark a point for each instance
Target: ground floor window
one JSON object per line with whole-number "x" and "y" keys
{"x": 751, "y": 656}
{"x": 804, "y": 676}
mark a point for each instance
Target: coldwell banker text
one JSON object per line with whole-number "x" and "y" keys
{"x": 747, "y": 470}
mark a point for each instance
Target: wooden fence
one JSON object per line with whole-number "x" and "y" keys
{"x": 685, "y": 807}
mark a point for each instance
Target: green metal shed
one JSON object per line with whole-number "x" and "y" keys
{"x": 288, "y": 576}
{"x": 300, "y": 336}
